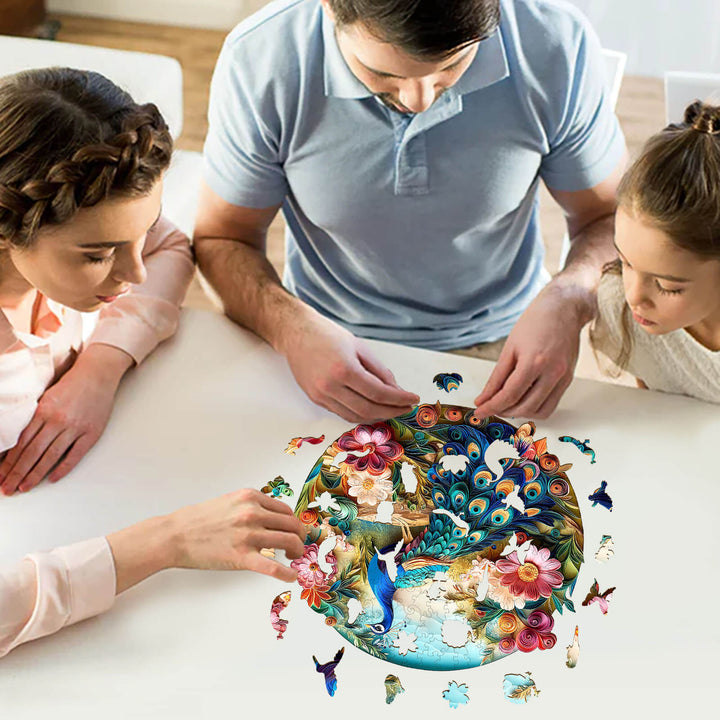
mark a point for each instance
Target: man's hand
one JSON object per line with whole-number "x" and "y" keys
{"x": 538, "y": 360}
{"x": 338, "y": 372}
{"x": 69, "y": 419}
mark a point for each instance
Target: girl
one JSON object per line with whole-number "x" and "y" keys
{"x": 659, "y": 303}
{"x": 81, "y": 169}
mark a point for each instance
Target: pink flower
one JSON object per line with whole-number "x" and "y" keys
{"x": 308, "y": 568}
{"x": 533, "y": 579}
{"x": 374, "y": 441}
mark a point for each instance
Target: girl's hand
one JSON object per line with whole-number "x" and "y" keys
{"x": 69, "y": 419}
{"x": 226, "y": 533}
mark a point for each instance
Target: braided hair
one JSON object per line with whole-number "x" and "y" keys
{"x": 68, "y": 140}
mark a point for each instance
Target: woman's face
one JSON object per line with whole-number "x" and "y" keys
{"x": 95, "y": 257}
{"x": 666, "y": 287}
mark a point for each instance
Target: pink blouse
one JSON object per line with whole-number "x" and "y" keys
{"x": 135, "y": 323}
{"x": 47, "y": 591}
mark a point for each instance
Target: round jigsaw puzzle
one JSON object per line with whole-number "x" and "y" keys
{"x": 440, "y": 541}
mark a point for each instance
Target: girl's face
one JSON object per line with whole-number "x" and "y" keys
{"x": 92, "y": 259}
{"x": 666, "y": 287}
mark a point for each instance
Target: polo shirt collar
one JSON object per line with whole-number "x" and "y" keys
{"x": 489, "y": 66}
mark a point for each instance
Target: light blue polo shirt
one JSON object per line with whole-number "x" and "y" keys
{"x": 418, "y": 229}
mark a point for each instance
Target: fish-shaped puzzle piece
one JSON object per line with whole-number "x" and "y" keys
{"x": 601, "y": 497}
{"x": 448, "y": 381}
{"x": 595, "y": 596}
{"x": 456, "y": 694}
{"x": 393, "y": 687}
{"x": 573, "y": 649}
{"x": 519, "y": 688}
{"x": 279, "y": 604}
{"x": 328, "y": 670}
{"x": 296, "y": 442}
{"x": 582, "y": 446}
{"x": 277, "y": 487}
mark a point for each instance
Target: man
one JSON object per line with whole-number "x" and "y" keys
{"x": 405, "y": 142}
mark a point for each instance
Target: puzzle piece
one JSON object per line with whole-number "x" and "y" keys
{"x": 519, "y": 688}
{"x": 573, "y": 650}
{"x": 514, "y": 500}
{"x": 448, "y": 381}
{"x": 595, "y": 596}
{"x": 328, "y": 671}
{"x": 393, "y": 687}
{"x": 583, "y": 446}
{"x": 606, "y": 549}
{"x": 279, "y": 604}
{"x": 354, "y": 608}
{"x": 326, "y": 547}
{"x": 456, "y": 694}
{"x": 513, "y": 546}
{"x": 457, "y": 520}
{"x": 384, "y": 512}
{"x": 601, "y": 497}
{"x": 295, "y": 443}
{"x": 277, "y": 488}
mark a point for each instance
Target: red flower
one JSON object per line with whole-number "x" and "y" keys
{"x": 315, "y": 595}
{"x": 375, "y": 443}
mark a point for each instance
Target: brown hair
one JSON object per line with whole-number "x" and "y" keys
{"x": 430, "y": 29}
{"x": 68, "y": 140}
{"x": 675, "y": 186}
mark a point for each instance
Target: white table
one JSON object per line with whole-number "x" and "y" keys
{"x": 213, "y": 409}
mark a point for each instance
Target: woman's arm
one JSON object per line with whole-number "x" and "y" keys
{"x": 72, "y": 414}
{"x": 48, "y": 591}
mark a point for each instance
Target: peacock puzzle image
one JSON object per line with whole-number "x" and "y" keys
{"x": 455, "y": 562}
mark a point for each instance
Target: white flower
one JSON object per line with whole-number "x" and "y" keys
{"x": 370, "y": 489}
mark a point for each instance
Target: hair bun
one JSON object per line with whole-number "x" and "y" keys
{"x": 703, "y": 117}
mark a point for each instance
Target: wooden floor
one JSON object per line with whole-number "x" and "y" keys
{"x": 640, "y": 109}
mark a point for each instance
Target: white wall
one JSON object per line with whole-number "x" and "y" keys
{"x": 657, "y": 35}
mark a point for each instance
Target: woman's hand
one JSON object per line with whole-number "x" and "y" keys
{"x": 69, "y": 419}
{"x": 226, "y": 533}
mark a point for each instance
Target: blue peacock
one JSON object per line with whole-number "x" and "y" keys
{"x": 474, "y": 496}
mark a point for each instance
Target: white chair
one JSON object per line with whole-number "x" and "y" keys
{"x": 615, "y": 62}
{"x": 148, "y": 78}
{"x": 683, "y": 88}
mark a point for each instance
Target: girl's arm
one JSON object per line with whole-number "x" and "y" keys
{"x": 48, "y": 591}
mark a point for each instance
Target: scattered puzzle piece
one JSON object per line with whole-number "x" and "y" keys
{"x": 519, "y": 688}
{"x": 328, "y": 670}
{"x": 583, "y": 446}
{"x": 601, "y": 497}
{"x": 595, "y": 596}
{"x": 456, "y": 694}
{"x": 573, "y": 650}
{"x": 448, "y": 381}
{"x": 606, "y": 549}
{"x": 295, "y": 443}
{"x": 393, "y": 687}
{"x": 277, "y": 487}
{"x": 279, "y": 604}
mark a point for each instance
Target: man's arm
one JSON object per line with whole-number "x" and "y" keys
{"x": 335, "y": 369}
{"x": 538, "y": 361}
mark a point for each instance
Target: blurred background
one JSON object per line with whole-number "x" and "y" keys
{"x": 656, "y": 35}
